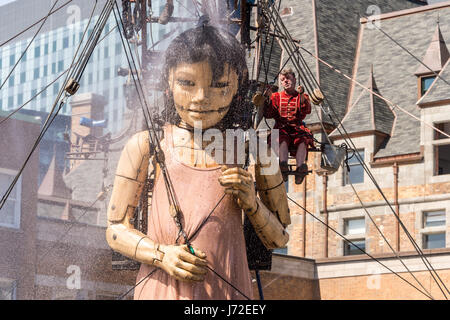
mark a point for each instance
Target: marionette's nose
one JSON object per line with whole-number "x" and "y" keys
{"x": 201, "y": 95}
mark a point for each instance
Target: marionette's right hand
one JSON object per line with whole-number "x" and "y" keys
{"x": 181, "y": 264}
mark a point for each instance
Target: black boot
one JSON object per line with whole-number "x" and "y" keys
{"x": 301, "y": 173}
{"x": 166, "y": 13}
{"x": 284, "y": 168}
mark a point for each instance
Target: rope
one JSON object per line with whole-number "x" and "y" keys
{"x": 360, "y": 249}
{"x": 367, "y": 170}
{"x": 406, "y": 50}
{"x": 365, "y": 167}
{"x": 47, "y": 86}
{"x": 31, "y": 26}
{"x": 376, "y": 94}
{"x": 29, "y": 44}
{"x": 50, "y": 117}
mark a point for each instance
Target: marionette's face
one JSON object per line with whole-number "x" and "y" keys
{"x": 288, "y": 81}
{"x": 199, "y": 98}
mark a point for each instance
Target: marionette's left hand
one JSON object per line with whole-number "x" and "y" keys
{"x": 239, "y": 182}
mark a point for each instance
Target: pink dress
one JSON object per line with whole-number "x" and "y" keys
{"x": 221, "y": 237}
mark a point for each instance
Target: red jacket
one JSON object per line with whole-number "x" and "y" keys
{"x": 288, "y": 110}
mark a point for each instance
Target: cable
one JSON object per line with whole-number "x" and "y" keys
{"x": 47, "y": 86}
{"x": 49, "y": 119}
{"x": 376, "y": 94}
{"x": 406, "y": 50}
{"x": 360, "y": 249}
{"x": 31, "y": 26}
{"x": 370, "y": 216}
{"x": 29, "y": 44}
{"x": 368, "y": 171}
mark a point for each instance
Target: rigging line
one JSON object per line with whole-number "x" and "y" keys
{"x": 271, "y": 49}
{"x": 66, "y": 232}
{"x": 263, "y": 49}
{"x": 165, "y": 173}
{"x": 196, "y": 8}
{"x": 181, "y": 4}
{"x": 46, "y": 87}
{"x": 402, "y": 47}
{"x": 46, "y": 125}
{"x": 367, "y": 170}
{"x": 392, "y": 105}
{"x": 151, "y": 128}
{"x": 29, "y": 44}
{"x": 31, "y": 26}
{"x": 370, "y": 216}
{"x": 371, "y": 176}
{"x": 356, "y": 246}
{"x": 417, "y": 248}
{"x": 286, "y": 39}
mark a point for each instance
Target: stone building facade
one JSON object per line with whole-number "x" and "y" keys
{"x": 405, "y": 155}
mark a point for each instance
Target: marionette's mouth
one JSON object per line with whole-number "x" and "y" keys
{"x": 199, "y": 111}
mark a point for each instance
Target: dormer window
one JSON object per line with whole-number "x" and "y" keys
{"x": 425, "y": 83}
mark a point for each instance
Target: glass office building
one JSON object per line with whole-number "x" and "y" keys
{"x": 51, "y": 53}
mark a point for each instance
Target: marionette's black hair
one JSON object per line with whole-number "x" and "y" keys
{"x": 219, "y": 48}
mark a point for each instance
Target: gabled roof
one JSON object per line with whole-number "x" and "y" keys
{"x": 53, "y": 184}
{"x": 436, "y": 56}
{"x": 395, "y": 69}
{"x": 369, "y": 113}
{"x": 439, "y": 90}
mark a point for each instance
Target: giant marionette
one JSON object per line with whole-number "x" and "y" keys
{"x": 194, "y": 247}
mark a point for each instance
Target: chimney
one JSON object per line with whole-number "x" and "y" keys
{"x": 88, "y": 105}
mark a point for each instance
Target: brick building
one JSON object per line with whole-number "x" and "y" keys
{"x": 408, "y": 159}
{"x": 17, "y": 217}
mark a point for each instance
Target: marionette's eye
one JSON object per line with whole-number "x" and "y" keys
{"x": 185, "y": 83}
{"x": 220, "y": 84}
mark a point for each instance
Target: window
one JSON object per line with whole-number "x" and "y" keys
{"x": 11, "y": 81}
{"x": 54, "y": 67}
{"x": 90, "y": 78}
{"x": 425, "y": 84}
{"x": 45, "y": 71}
{"x": 22, "y": 77}
{"x": 10, "y": 102}
{"x": 7, "y": 289}
{"x": 354, "y": 230}
{"x": 116, "y": 93}
{"x": 10, "y": 213}
{"x": 60, "y": 65}
{"x": 46, "y": 49}
{"x": 106, "y": 74}
{"x": 12, "y": 59}
{"x": 356, "y": 174}
{"x": 20, "y": 99}
{"x": 37, "y": 52}
{"x": 105, "y": 52}
{"x": 54, "y": 46}
{"x": 65, "y": 42}
{"x": 118, "y": 48}
{"x": 36, "y": 73}
{"x": 433, "y": 229}
{"x": 441, "y": 146}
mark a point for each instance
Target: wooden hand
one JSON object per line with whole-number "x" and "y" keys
{"x": 239, "y": 183}
{"x": 181, "y": 264}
